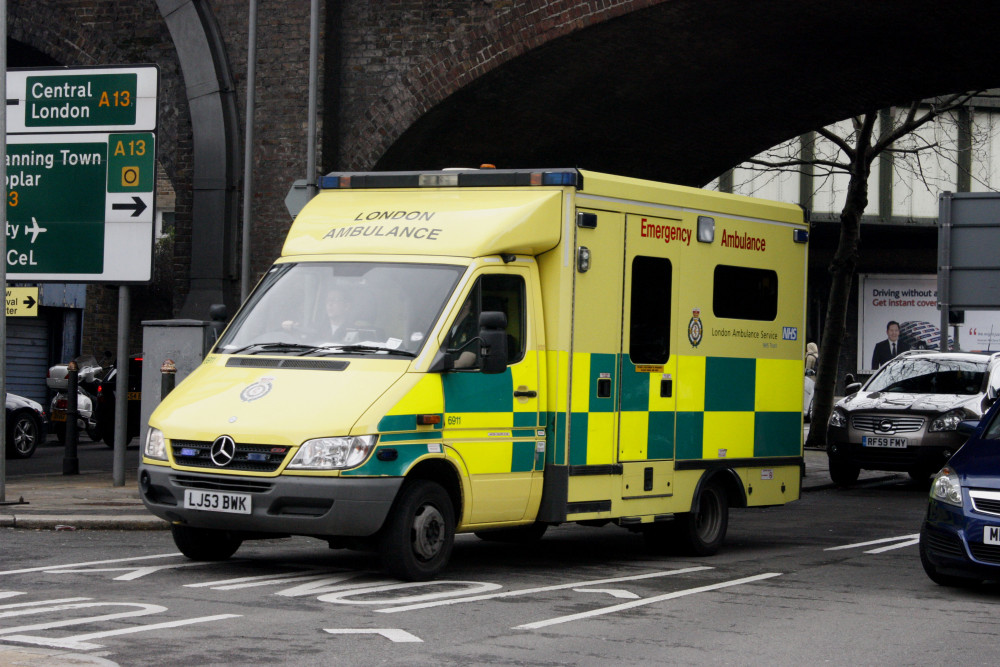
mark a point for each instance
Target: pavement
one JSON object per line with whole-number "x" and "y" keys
{"x": 90, "y": 500}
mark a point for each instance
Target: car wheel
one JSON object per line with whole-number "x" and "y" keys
{"x": 416, "y": 541}
{"x": 937, "y": 577}
{"x": 204, "y": 543}
{"x": 519, "y": 535}
{"x": 23, "y": 435}
{"x": 701, "y": 533}
{"x": 93, "y": 432}
{"x": 843, "y": 473}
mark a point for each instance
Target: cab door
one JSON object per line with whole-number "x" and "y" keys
{"x": 491, "y": 421}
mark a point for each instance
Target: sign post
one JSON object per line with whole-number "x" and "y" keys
{"x": 81, "y": 184}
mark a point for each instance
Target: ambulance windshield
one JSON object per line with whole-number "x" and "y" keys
{"x": 324, "y": 308}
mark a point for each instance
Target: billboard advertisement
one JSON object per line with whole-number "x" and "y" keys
{"x": 910, "y": 301}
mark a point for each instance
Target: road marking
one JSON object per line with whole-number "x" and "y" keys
{"x": 613, "y": 592}
{"x": 646, "y": 601}
{"x": 26, "y": 608}
{"x": 93, "y": 562}
{"x": 134, "y": 572}
{"x": 9, "y": 594}
{"x": 908, "y": 543}
{"x": 543, "y": 589}
{"x": 81, "y": 642}
{"x": 858, "y": 545}
{"x": 392, "y": 634}
{"x": 261, "y": 580}
{"x": 343, "y": 597}
{"x": 140, "y": 609}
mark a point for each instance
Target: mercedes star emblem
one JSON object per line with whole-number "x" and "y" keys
{"x": 223, "y": 451}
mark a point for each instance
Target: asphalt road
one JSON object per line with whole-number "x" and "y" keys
{"x": 834, "y": 578}
{"x": 92, "y": 457}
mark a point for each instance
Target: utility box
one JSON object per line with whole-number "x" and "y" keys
{"x": 185, "y": 342}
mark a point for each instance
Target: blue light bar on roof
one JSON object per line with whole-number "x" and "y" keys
{"x": 451, "y": 178}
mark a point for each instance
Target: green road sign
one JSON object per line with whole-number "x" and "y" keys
{"x": 75, "y": 200}
{"x": 106, "y": 99}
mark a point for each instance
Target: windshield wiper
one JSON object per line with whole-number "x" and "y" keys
{"x": 256, "y": 348}
{"x": 334, "y": 349}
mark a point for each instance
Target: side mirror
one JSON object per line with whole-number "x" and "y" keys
{"x": 493, "y": 333}
{"x": 217, "y": 312}
{"x": 852, "y": 388}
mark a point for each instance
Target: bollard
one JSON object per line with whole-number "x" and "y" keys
{"x": 168, "y": 376}
{"x": 71, "y": 464}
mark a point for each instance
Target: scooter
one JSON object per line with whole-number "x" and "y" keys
{"x": 88, "y": 379}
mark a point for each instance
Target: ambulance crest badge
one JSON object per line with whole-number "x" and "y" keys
{"x": 695, "y": 328}
{"x": 258, "y": 389}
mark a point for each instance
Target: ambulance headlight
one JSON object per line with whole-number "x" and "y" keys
{"x": 156, "y": 445}
{"x": 333, "y": 453}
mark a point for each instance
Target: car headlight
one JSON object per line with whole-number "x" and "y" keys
{"x": 946, "y": 488}
{"x": 156, "y": 445}
{"x": 949, "y": 421}
{"x": 838, "y": 418}
{"x": 333, "y": 453}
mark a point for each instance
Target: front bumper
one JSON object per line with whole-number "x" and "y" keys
{"x": 926, "y": 452}
{"x": 283, "y": 505}
{"x": 952, "y": 538}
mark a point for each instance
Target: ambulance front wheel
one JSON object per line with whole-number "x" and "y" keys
{"x": 701, "y": 533}
{"x": 417, "y": 538}
{"x": 204, "y": 543}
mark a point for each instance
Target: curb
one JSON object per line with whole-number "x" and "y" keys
{"x": 82, "y": 522}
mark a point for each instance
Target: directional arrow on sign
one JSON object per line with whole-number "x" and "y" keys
{"x": 392, "y": 634}
{"x": 137, "y": 207}
{"x": 29, "y": 302}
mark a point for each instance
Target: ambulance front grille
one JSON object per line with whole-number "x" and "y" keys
{"x": 248, "y": 458}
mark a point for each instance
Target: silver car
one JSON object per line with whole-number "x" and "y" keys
{"x": 905, "y": 418}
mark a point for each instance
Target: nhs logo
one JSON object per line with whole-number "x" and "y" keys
{"x": 789, "y": 333}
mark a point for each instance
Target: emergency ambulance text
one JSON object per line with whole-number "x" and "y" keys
{"x": 666, "y": 232}
{"x": 743, "y": 241}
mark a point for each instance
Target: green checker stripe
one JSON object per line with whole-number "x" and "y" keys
{"x": 777, "y": 433}
{"x": 730, "y": 384}
{"x": 635, "y": 387}
{"x": 478, "y": 392}
{"x": 406, "y": 455}
{"x": 607, "y": 364}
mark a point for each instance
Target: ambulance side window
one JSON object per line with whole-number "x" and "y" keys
{"x": 492, "y": 292}
{"x": 744, "y": 293}
{"x": 649, "y": 325}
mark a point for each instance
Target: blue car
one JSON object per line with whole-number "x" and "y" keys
{"x": 960, "y": 538}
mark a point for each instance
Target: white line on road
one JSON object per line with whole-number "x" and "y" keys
{"x": 882, "y": 541}
{"x": 93, "y": 562}
{"x": 543, "y": 589}
{"x": 392, "y": 634}
{"x": 640, "y": 603}
{"x": 908, "y": 543}
{"x": 80, "y": 642}
{"x": 620, "y": 593}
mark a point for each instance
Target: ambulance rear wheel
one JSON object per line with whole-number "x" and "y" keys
{"x": 205, "y": 544}
{"x": 701, "y": 533}
{"x": 416, "y": 541}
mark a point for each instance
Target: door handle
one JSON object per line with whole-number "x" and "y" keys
{"x": 530, "y": 393}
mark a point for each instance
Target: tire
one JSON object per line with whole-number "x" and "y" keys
{"x": 843, "y": 473}
{"x": 24, "y": 432}
{"x": 701, "y": 533}
{"x": 937, "y": 577}
{"x": 416, "y": 541}
{"x": 204, "y": 543}
{"x": 519, "y": 535}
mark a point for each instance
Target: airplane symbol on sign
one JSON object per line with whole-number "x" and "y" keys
{"x": 35, "y": 230}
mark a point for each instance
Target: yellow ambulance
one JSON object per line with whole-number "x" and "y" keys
{"x": 495, "y": 351}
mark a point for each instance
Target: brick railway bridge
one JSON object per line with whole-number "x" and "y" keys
{"x": 675, "y": 90}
